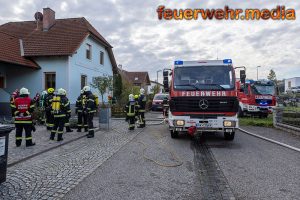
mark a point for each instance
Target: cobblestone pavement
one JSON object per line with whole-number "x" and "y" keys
{"x": 41, "y": 138}
{"x": 194, "y": 174}
{"x": 54, "y": 173}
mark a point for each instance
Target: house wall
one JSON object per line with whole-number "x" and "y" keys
{"x": 294, "y": 82}
{"x": 80, "y": 65}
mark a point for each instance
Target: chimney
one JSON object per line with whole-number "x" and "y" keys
{"x": 48, "y": 18}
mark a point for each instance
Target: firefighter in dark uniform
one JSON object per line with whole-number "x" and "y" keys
{"x": 89, "y": 110}
{"x": 142, "y": 108}
{"x": 68, "y": 115}
{"x": 137, "y": 106}
{"x": 82, "y": 118}
{"x": 130, "y": 112}
{"x": 23, "y": 109}
{"x": 48, "y": 103}
{"x": 165, "y": 107}
{"x": 13, "y": 97}
{"x": 60, "y": 107}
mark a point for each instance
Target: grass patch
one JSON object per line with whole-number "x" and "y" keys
{"x": 255, "y": 121}
{"x": 290, "y": 108}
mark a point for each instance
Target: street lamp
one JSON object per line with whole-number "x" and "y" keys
{"x": 157, "y": 75}
{"x": 257, "y": 72}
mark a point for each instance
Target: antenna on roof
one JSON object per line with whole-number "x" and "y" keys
{"x": 38, "y": 17}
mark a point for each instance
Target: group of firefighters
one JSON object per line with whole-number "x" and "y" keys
{"x": 56, "y": 107}
{"x": 135, "y": 110}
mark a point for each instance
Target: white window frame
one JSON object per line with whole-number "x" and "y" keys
{"x": 88, "y": 48}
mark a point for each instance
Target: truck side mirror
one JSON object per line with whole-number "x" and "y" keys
{"x": 243, "y": 76}
{"x": 165, "y": 73}
{"x": 166, "y": 80}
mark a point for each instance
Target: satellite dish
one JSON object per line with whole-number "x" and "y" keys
{"x": 38, "y": 16}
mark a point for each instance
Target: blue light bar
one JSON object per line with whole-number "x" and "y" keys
{"x": 178, "y": 62}
{"x": 227, "y": 61}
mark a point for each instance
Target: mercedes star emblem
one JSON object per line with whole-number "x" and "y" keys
{"x": 203, "y": 104}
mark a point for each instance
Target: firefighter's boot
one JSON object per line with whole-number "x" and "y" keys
{"x": 90, "y": 134}
{"x": 52, "y": 135}
{"x": 79, "y": 129}
{"x": 68, "y": 129}
{"x": 18, "y": 142}
{"x": 59, "y": 137}
{"x": 86, "y": 129}
{"x": 29, "y": 143}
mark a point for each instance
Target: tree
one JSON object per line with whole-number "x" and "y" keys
{"x": 118, "y": 86}
{"x": 102, "y": 84}
{"x": 272, "y": 76}
{"x": 155, "y": 89}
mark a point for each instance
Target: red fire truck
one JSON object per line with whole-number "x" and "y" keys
{"x": 256, "y": 98}
{"x": 202, "y": 97}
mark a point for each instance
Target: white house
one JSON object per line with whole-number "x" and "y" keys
{"x": 49, "y": 52}
{"x": 154, "y": 83}
{"x": 291, "y": 82}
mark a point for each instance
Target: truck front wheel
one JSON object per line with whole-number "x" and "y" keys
{"x": 174, "y": 134}
{"x": 229, "y": 135}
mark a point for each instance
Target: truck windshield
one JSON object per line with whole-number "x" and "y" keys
{"x": 263, "y": 89}
{"x": 204, "y": 78}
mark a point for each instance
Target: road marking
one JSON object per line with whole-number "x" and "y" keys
{"x": 270, "y": 140}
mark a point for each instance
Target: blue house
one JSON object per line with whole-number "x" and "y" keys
{"x": 49, "y": 52}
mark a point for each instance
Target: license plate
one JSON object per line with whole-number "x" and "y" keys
{"x": 203, "y": 125}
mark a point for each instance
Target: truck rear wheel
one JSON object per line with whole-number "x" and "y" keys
{"x": 174, "y": 134}
{"x": 229, "y": 135}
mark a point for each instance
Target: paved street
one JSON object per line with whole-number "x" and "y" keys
{"x": 148, "y": 164}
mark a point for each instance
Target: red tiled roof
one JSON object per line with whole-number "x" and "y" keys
{"x": 63, "y": 38}
{"x": 10, "y": 51}
{"x": 136, "y": 77}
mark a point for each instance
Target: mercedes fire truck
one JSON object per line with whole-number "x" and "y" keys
{"x": 257, "y": 98}
{"x": 202, "y": 97}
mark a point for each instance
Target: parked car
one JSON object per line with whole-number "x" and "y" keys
{"x": 294, "y": 89}
{"x": 157, "y": 103}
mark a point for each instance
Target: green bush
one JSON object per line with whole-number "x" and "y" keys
{"x": 253, "y": 121}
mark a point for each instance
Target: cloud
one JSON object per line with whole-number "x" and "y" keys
{"x": 142, "y": 42}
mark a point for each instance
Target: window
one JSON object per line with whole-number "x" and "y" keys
{"x": 101, "y": 58}
{"x": 289, "y": 84}
{"x": 83, "y": 81}
{"x": 88, "y": 51}
{"x": 2, "y": 82}
{"x": 50, "y": 80}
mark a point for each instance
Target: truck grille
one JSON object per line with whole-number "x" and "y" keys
{"x": 215, "y": 104}
{"x": 258, "y": 101}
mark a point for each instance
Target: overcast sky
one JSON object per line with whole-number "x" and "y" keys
{"x": 143, "y": 43}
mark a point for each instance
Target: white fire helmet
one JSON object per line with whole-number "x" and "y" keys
{"x": 142, "y": 91}
{"x": 86, "y": 88}
{"x": 60, "y": 91}
{"x": 24, "y": 91}
{"x": 131, "y": 97}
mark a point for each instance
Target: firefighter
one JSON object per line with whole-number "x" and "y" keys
{"x": 23, "y": 109}
{"x": 42, "y": 106}
{"x": 13, "y": 97}
{"x": 68, "y": 115}
{"x": 89, "y": 109}
{"x": 142, "y": 106}
{"x": 82, "y": 118}
{"x": 165, "y": 107}
{"x": 130, "y": 112}
{"x": 60, "y": 106}
{"x": 48, "y": 103}
{"x": 136, "y": 99}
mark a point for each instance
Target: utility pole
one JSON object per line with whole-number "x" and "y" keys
{"x": 257, "y": 72}
{"x": 157, "y": 75}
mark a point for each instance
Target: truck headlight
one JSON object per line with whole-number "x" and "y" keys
{"x": 179, "y": 122}
{"x": 228, "y": 123}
